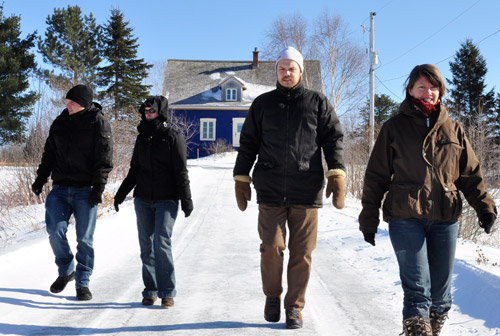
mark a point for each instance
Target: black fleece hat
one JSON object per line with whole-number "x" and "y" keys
{"x": 81, "y": 94}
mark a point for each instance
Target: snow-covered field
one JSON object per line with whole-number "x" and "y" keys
{"x": 354, "y": 288}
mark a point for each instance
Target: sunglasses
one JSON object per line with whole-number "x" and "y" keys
{"x": 151, "y": 111}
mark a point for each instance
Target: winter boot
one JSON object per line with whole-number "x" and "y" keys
{"x": 167, "y": 302}
{"x": 61, "y": 282}
{"x": 83, "y": 294}
{"x": 437, "y": 322}
{"x": 293, "y": 319}
{"x": 149, "y": 300}
{"x": 417, "y": 326}
{"x": 272, "y": 309}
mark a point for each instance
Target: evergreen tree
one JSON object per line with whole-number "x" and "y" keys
{"x": 123, "y": 76}
{"x": 16, "y": 63}
{"x": 71, "y": 45}
{"x": 384, "y": 109}
{"x": 468, "y": 100}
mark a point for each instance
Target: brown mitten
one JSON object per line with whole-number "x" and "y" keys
{"x": 242, "y": 191}
{"x": 336, "y": 187}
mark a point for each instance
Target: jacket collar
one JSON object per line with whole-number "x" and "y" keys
{"x": 411, "y": 110}
{"x": 296, "y": 91}
{"x": 94, "y": 109}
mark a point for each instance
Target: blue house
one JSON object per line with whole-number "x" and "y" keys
{"x": 214, "y": 96}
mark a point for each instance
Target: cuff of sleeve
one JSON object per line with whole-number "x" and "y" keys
{"x": 243, "y": 178}
{"x": 335, "y": 172}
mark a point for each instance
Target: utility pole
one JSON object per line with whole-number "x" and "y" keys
{"x": 373, "y": 62}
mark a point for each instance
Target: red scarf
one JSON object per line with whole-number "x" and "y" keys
{"x": 424, "y": 106}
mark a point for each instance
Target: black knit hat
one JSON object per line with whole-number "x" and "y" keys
{"x": 81, "y": 94}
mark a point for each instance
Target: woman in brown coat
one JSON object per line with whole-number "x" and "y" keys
{"x": 422, "y": 159}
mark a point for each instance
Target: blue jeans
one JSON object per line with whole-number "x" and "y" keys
{"x": 155, "y": 223}
{"x": 61, "y": 203}
{"x": 425, "y": 251}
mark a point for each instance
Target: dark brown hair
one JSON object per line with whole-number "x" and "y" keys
{"x": 428, "y": 71}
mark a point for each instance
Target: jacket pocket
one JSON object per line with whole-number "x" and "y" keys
{"x": 404, "y": 201}
{"x": 261, "y": 173}
{"x": 451, "y": 207}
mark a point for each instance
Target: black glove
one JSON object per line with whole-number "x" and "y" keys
{"x": 369, "y": 237}
{"x": 119, "y": 198}
{"x": 37, "y": 186}
{"x": 96, "y": 195}
{"x": 486, "y": 221}
{"x": 187, "y": 206}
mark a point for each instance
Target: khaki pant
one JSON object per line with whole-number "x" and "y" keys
{"x": 303, "y": 226}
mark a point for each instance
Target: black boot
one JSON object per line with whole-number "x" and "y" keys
{"x": 61, "y": 282}
{"x": 272, "y": 309}
{"x": 83, "y": 294}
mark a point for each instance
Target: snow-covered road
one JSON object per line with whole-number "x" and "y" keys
{"x": 354, "y": 288}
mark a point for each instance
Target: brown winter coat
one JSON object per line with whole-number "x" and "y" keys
{"x": 422, "y": 162}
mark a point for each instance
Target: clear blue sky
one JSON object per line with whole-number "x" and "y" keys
{"x": 407, "y": 33}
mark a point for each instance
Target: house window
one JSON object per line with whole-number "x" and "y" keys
{"x": 207, "y": 129}
{"x": 231, "y": 95}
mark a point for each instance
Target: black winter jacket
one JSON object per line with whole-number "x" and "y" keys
{"x": 287, "y": 129}
{"x": 158, "y": 168}
{"x": 79, "y": 149}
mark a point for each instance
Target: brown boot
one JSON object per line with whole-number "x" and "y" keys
{"x": 272, "y": 309}
{"x": 417, "y": 326}
{"x": 148, "y": 301}
{"x": 437, "y": 322}
{"x": 293, "y": 319}
{"x": 167, "y": 302}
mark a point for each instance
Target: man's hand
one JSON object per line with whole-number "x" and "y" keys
{"x": 242, "y": 191}
{"x": 336, "y": 187}
{"x": 96, "y": 195}
{"x": 37, "y": 186}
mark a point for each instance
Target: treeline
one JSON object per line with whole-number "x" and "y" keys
{"x": 77, "y": 50}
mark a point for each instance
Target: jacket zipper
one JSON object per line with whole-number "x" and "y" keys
{"x": 286, "y": 149}
{"x": 432, "y": 172}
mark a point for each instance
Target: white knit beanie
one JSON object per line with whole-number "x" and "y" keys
{"x": 292, "y": 54}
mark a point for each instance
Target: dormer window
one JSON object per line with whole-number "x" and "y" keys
{"x": 231, "y": 94}
{"x": 231, "y": 88}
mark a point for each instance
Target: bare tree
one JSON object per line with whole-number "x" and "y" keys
{"x": 219, "y": 146}
{"x": 286, "y": 32}
{"x": 188, "y": 126}
{"x": 156, "y": 76}
{"x": 486, "y": 153}
{"x": 343, "y": 63}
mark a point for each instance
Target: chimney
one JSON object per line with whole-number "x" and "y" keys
{"x": 255, "y": 63}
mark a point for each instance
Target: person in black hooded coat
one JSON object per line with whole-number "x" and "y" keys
{"x": 158, "y": 171}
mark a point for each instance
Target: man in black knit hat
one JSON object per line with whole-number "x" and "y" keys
{"x": 78, "y": 155}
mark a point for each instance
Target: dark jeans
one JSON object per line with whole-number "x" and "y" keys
{"x": 425, "y": 251}
{"x": 303, "y": 226}
{"x": 62, "y": 202}
{"x": 155, "y": 223}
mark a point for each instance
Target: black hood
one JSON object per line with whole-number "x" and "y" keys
{"x": 158, "y": 103}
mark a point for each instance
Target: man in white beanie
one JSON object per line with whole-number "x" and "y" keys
{"x": 288, "y": 128}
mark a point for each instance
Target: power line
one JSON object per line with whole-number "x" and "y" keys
{"x": 378, "y": 79}
{"x": 434, "y": 34}
{"x": 377, "y": 11}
